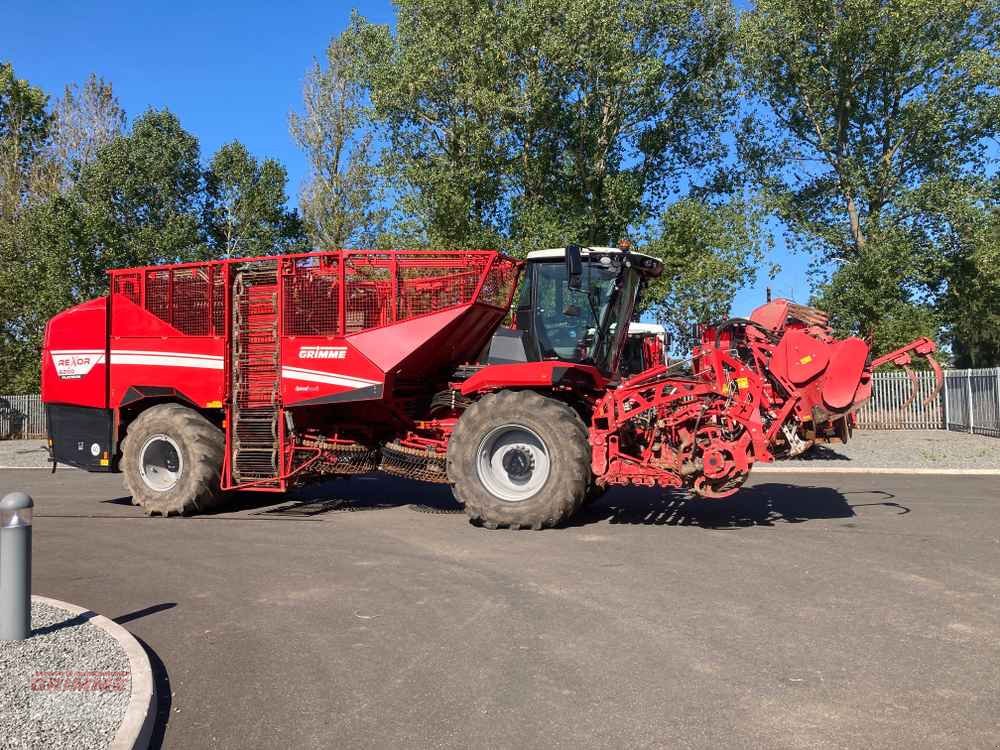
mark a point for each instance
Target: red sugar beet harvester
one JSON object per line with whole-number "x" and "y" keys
{"x": 262, "y": 374}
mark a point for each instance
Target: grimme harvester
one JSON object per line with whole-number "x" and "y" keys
{"x": 265, "y": 373}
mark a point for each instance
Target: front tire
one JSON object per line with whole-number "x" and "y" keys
{"x": 518, "y": 459}
{"x": 172, "y": 461}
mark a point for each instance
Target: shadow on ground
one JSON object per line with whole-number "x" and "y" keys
{"x": 161, "y": 682}
{"x": 758, "y": 505}
{"x": 375, "y": 492}
{"x": 818, "y": 453}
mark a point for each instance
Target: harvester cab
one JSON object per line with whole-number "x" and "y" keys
{"x": 575, "y": 306}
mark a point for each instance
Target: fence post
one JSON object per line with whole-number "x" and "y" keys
{"x": 944, "y": 387}
{"x": 996, "y": 401}
{"x": 968, "y": 393}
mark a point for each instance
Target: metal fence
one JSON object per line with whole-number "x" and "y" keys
{"x": 887, "y": 409}
{"x": 969, "y": 402}
{"x": 21, "y": 416}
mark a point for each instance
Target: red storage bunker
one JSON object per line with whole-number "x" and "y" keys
{"x": 353, "y": 335}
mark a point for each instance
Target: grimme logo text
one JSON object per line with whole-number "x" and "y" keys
{"x": 323, "y": 352}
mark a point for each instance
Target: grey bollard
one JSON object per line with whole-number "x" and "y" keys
{"x": 15, "y": 566}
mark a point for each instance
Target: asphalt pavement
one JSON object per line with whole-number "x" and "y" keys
{"x": 823, "y": 611}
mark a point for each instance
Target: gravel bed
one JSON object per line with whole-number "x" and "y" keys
{"x": 24, "y": 454}
{"x": 907, "y": 449}
{"x": 67, "y": 686}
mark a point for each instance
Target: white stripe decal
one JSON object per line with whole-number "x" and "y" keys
{"x": 166, "y": 359}
{"x": 329, "y": 378}
{"x": 214, "y": 362}
{"x": 168, "y": 354}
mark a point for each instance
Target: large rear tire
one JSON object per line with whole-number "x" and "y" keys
{"x": 172, "y": 461}
{"x": 519, "y": 460}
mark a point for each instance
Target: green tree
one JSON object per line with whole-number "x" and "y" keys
{"x": 967, "y": 226}
{"x": 85, "y": 119}
{"x": 140, "y": 201}
{"x": 341, "y": 201}
{"x": 246, "y": 211}
{"x": 523, "y": 124}
{"x": 709, "y": 252}
{"x": 867, "y": 102}
{"x": 24, "y": 127}
{"x": 39, "y": 279}
{"x": 81, "y": 195}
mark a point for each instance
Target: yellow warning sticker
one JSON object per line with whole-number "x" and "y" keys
{"x": 213, "y": 405}
{"x": 104, "y": 462}
{"x": 742, "y": 382}
{"x": 806, "y": 359}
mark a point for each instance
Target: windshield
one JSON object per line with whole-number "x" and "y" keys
{"x": 582, "y": 325}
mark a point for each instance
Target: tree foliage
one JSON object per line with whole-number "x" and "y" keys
{"x": 867, "y": 128}
{"x": 709, "y": 253}
{"x": 88, "y": 195}
{"x": 536, "y": 123}
{"x": 246, "y": 205}
{"x": 83, "y": 120}
{"x": 24, "y": 127}
{"x": 968, "y": 227}
{"x": 530, "y": 123}
{"x": 340, "y": 200}
{"x": 870, "y": 107}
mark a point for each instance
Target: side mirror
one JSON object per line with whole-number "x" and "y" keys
{"x": 574, "y": 267}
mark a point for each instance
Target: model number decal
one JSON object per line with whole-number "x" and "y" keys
{"x": 323, "y": 352}
{"x": 71, "y": 365}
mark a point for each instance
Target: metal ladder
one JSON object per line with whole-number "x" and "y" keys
{"x": 256, "y": 376}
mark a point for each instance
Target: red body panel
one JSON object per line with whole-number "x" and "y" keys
{"x": 847, "y": 365}
{"x": 147, "y": 351}
{"x": 74, "y": 356}
{"x": 430, "y": 344}
{"x": 535, "y": 375}
{"x": 799, "y": 357}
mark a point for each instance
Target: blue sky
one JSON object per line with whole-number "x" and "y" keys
{"x": 228, "y": 70}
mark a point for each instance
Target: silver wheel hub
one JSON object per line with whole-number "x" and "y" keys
{"x": 513, "y": 463}
{"x": 160, "y": 463}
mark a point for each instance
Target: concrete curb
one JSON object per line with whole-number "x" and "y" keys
{"x": 805, "y": 468}
{"x": 136, "y": 728}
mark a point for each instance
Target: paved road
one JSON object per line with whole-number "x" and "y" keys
{"x": 823, "y": 612}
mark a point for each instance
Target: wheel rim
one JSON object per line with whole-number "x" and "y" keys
{"x": 160, "y": 463}
{"x": 513, "y": 462}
